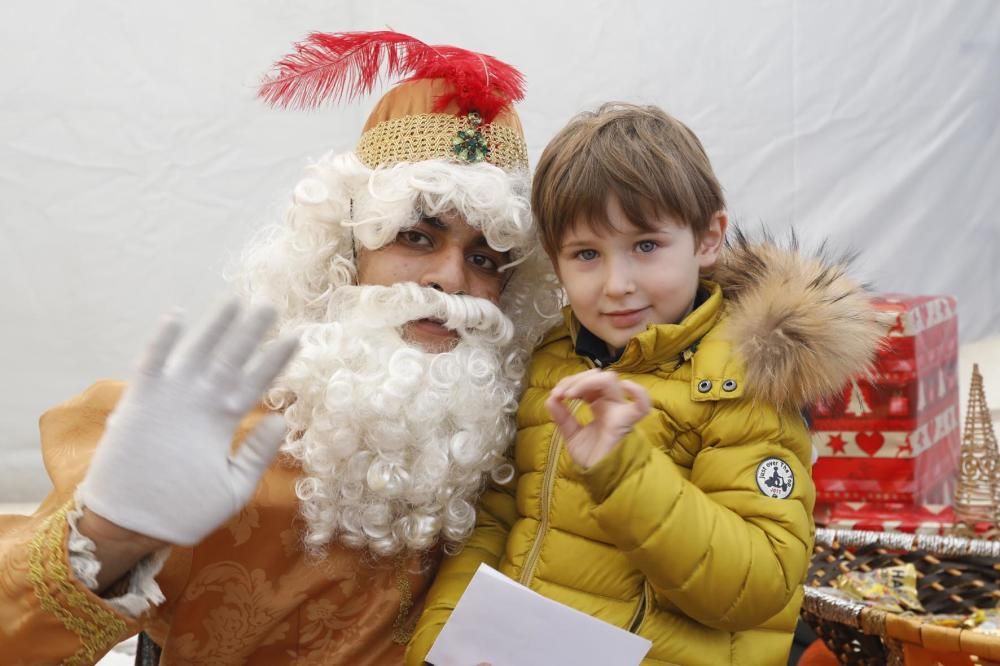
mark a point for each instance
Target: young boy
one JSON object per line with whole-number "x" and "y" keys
{"x": 663, "y": 465}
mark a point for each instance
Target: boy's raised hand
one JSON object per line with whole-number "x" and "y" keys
{"x": 617, "y": 405}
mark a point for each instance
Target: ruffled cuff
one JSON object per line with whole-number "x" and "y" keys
{"x": 141, "y": 591}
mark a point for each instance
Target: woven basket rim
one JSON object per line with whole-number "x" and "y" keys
{"x": 820, "y": 602}
{"x": 911, "y": 629}
{"x": 945, "y": 546}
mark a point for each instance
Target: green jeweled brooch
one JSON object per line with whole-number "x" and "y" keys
{"x": 470, "y": 144}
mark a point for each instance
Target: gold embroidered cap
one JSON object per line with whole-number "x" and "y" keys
{"x": 403, "y": 128}
{"x": 455, "y": 105}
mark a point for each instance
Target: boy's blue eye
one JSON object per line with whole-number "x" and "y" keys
{"x": 586, "y": 255}
{"x": 646, "y": 246}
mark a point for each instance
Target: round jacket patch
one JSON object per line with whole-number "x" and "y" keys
{"x": 775, "y": 478}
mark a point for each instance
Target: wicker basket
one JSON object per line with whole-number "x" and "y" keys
{"x": 954, "y": 575}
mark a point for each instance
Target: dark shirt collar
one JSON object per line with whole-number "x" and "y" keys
{"x": 592, "y": 347}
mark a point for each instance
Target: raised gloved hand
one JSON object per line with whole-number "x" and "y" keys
{"x": 163, "y": 467}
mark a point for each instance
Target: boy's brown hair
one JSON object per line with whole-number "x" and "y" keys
{"x": 649, "y": 160}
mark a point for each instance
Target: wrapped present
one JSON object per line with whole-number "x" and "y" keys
{"x": 896, "y": 437}
{"x": 936, "y": 519}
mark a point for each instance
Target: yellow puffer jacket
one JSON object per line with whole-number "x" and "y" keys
{"x": 696, "y": 531}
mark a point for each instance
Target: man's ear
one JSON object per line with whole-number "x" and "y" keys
{"x": 712, "y": 240}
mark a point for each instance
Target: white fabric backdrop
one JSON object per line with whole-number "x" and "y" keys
{"x": 135, "y": 161}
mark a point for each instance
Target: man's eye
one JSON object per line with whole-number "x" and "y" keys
{"x": 646, "y": 246}
{"x": 411, "y": 237}
{"x": 482, "y": 261}
{"x": 586, "y": 255}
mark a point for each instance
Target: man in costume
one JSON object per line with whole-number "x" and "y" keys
{"x": 407, "y": 277}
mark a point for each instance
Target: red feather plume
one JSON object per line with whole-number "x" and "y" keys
{"x": 346, "y": 65}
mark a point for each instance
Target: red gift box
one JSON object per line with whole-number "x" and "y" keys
{"x": 891, "y": 517}
{"x": 896, "y": 438}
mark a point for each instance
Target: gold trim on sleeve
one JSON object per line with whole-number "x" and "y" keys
{"x": 98, "y": 628}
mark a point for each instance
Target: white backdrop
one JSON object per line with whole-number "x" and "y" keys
{"x": 135, "y": 160}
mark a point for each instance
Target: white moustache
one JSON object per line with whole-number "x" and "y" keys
{"x": 406, "y": 302}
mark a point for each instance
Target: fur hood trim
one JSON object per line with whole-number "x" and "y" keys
{"x": 801, "y": 326}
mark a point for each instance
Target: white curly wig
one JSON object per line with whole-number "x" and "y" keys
{"x": 341, "y": 203}
{"x": 353, "y": 394}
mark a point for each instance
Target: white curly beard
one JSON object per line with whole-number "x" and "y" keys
{"x": 395, "y": 442}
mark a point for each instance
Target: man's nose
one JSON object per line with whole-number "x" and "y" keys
{"x": 446, "y": 271}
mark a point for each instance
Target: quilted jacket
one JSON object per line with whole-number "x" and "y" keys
{"x": 696, "y": 530}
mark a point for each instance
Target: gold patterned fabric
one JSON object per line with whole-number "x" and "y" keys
{"x": 430, "y": 136}
{"x": 246, "y": 595}
{"x": 406, "y": 126}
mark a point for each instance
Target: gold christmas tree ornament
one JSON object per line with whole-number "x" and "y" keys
{"x": 977, "y": 496}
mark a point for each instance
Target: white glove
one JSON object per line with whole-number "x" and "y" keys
{"x": 163, "y": 467}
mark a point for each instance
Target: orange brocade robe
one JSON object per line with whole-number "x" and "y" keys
{"x": 247, "y": 594}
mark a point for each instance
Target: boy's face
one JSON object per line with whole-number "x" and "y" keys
{"x": 620, "y": 281}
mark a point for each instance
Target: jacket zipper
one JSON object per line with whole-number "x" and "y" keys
{"x": 551, "y": 465}
{"x": 546, "y": 496}
{"x": 640, "y": 612}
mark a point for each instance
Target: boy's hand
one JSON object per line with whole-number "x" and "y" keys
{"x": 617, "y": 404}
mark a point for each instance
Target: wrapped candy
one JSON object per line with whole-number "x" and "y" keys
{"x": 893, "y": 589}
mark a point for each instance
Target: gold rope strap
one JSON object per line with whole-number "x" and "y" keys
{"x": 401, "y": 631}
{"x": 97, "y": 627}
{"x": 431, "y": 136}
